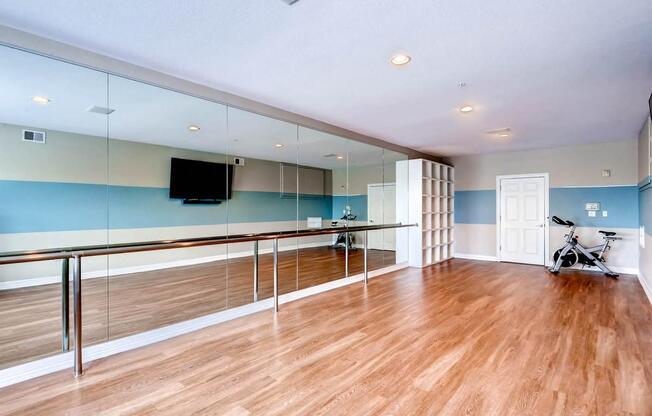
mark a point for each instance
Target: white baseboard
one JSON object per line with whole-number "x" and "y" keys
{"x": 617, "y": 269}
{"x": 475, "y": 257}
{"x": 62, "y": 361}
{"x": 646, "y": 288}
{"x": 112, "y": 272}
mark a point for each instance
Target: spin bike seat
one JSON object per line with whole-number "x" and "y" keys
{"x": 607, "y": 233}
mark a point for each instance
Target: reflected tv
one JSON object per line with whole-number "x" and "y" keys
{"x": 198, "y": 182}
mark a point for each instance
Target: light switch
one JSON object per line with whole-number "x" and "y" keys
{"x": 591, "y": 213}
{"x": 604, "y": 213}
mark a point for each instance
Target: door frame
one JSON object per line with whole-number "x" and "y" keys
{"x": 380, "y": 185}
{"x": 546, "y": 212}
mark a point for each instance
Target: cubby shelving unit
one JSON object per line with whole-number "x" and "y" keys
{"x": 432, "y": 207}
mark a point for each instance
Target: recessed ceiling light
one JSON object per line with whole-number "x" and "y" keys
{"x": 39, "y": 99}
{"x": 400, "y": 59}
{"x": 279, "y": 145}
{"x": 340, "y": 157}
{"x": 193, "y": 128}
{"x": 466, "y": 109}
{"x": 503, "y": 135}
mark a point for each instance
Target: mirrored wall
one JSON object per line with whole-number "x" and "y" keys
{"x": 90, "y": 158}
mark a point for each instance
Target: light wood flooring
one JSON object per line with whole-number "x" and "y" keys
{"x": 460, "y": 338}
{"x": 30, "y": 318}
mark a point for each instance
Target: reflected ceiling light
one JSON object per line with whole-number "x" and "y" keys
{"x": 279, "y": 145}
{"x": 193, "y": 128}
{"x": 400, "y": 59}
{"x": 503, "y": 135}
{"x": 466, "y": 109}
{"x": 39, "y": 99}
{"x": 340, "y": 157}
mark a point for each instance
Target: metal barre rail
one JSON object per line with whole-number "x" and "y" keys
{"x": 76, "y": 254}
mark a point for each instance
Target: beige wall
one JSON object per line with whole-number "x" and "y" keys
{"x": 77, "y": 158}
{"x": 361, "y": 176}
{"x": 579, "y": 165}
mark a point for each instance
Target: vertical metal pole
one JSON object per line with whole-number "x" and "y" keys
{"x": 65, "y": 307}
{"x": 366, "y": 268}
{"x": 346, "y": 254}
{"x": 275, "y": 248}
{"x": 256, "y": 271}
{"x": 77, "y": 311}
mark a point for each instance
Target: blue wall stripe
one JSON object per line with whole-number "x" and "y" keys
{"x": 49, "y": 206}
{"x": 621, "y": 202}
{"x": 475, "y": 207}
{"x": 358, "y": 204}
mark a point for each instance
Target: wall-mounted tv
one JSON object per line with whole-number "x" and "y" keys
{"x": 196, "y": 181}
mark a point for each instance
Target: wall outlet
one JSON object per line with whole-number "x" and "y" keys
{"x": 591, "y": 213}
{"x": 238, "y": 161}
{"x": 605, "y": 214}
{"x": 606, "y": 173}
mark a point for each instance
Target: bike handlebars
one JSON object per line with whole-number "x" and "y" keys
{"x": 559, "y": 221}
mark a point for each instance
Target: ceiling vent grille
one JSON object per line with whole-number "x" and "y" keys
{"x": 100, "y": 110}
{"x": 499, "y": 132}
{"x": 34, "y": 136}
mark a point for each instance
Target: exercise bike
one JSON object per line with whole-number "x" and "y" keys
{"x": 573, "y": 252}
{"x": 345, "y": 240}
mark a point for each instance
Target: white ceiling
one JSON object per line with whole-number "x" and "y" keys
{"x": 555, "y": 72}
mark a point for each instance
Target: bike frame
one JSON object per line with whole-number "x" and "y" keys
{"x": 572, "y": 243}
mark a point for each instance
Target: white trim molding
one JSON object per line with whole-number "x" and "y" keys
{"x": 647, "y": 289}
{"x": 475, "y": 257}
{"x": 546, "y": 214}
{"x": 62, "y": 361}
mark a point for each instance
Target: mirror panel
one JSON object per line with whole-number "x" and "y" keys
{"x": 53, "y": 176}
{"x": 365, "y": 204}
{"x": 265, "y": 197}
{"x": 322, "y": 159}
{"x": 168, "y": 174}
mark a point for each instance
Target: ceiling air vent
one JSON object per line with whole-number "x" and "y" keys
{"x": 100, "y": 110}
{"x": 34, "y": 136}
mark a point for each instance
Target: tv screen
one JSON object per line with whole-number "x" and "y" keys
{"x": 194, "y": 179}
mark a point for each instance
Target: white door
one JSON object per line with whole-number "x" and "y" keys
{"x": 381, "y": 209}
{"x": 522, "y": 220}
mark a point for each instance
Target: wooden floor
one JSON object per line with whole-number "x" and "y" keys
{"x": 30, "y": 318}
{"x": 463, "y": 337}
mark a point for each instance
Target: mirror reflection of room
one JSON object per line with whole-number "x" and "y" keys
{"x": 127, "y": 162}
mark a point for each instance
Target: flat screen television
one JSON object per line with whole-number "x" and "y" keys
{"x": 195, "y": 181}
